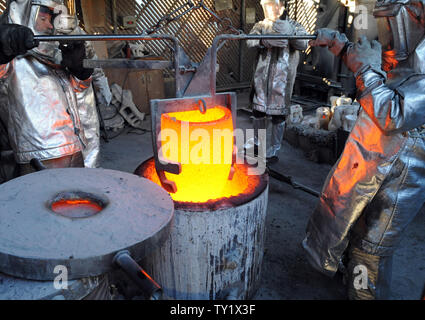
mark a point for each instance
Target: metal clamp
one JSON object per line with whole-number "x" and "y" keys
{"x": 202, "y": 106}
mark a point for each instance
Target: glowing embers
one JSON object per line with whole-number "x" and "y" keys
{"x": 203, "y": 144}
{"x": 77, "y": 205}
{"x": 242, "y": 188}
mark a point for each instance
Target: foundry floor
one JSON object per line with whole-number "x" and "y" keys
{"x": 286, "y": 273}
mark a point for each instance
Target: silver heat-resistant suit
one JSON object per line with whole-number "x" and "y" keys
{"x": 48, "y": 112}
{"x": 378, "y": 185}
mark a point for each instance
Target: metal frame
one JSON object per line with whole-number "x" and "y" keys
{"x": 194, "y": 86}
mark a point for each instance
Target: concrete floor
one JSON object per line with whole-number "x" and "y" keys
{"x": 286, "y": 273}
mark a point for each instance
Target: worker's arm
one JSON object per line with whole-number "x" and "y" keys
{"x": 256, "y": 30}
{"x": 299, "y": 30}
{"x": 393, "y": 111}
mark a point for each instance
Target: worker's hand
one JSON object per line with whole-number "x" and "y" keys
{"x": 283, "y": 27}
{"x": 332, "y": 39}
{"x": 73, "y": 54}
{"x": 15, "y": 40}
{"x": 274, "y": 43}
{"x": 363, "y": 55}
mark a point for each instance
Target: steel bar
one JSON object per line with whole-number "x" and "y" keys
{"x": 127, "y": 64}
{"x": 287, "y": 179}
{"x": 149, "y": 287}
{"x": 126, "y": 37}
{"x": 106, "y": 37}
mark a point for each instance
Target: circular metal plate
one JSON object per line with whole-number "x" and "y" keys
{"x": 34, "y": 240}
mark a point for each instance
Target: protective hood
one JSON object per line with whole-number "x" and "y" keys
{"x": 401, "y": 28}
{"x": 273, "y": 9}
{"x": 43, "y": 17}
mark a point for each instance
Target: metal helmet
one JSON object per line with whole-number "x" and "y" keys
{"x": 401, "y": 28}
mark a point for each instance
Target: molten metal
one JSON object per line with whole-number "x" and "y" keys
{"x": 203, "y": 144}
{"x": 241, "y": 185}
{"x": 79, "y": 208}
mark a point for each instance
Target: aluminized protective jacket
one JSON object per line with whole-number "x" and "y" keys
{"x": 276, "y": 70}
{"x": 378, "y": 185}
{"x": 87, "y": 109}
{"x": 42, "y": 118}
{"x": 40, "y": 102}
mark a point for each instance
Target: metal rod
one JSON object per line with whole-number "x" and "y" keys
{"x": 123, "y": 37}
{"x": 106, "y": 37}
{"x": 37, "y": 164}
{"x": 287, "y": 179}
{"x": 149, "y": 287}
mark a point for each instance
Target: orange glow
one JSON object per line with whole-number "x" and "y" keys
{"x": 241, "y": 184}
{"x": 203, "y": 144}
{"x": 77, "y": 207}
{"x": 149, "y": 277}
{"x": 389, "y": 62}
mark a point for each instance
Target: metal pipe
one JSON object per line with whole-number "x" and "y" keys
{"x": 149, "y": 287}
{"x": 218, "y": 39}
{"x": 123, "y": 37}
{"x": 291, "y": 182}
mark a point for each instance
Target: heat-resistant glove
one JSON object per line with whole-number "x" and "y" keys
{"x": 274, "y": 43}
{"x": 279, "y": 27}
{"x": 335, "y": 41}
{"x": 364, "y": 55}
{"x": 15, "y": 40}
{"x": 283, "y": 27}
{"x": 73, "y": 54}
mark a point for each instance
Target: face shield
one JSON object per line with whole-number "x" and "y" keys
{"x": 272, "y": 9}
{"x": 43, "y": 21}
{"x": 400, "y": 29}
{"x": 52, "y": 17}
{"x": 48, "y": 17}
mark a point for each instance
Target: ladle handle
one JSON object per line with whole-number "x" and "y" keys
{"x": 149, "y": 287}
{"x": 37, "y": 164}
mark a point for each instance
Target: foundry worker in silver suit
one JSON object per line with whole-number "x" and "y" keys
{"x": 275, "y": 73}
{"x": 378, "y": 185}
{"x": 46, "y": 87}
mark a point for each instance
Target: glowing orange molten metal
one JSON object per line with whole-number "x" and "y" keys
{"x": 203, "y": 144}
{"x": 241, "y": 184}
{"x": 75, "y": 207}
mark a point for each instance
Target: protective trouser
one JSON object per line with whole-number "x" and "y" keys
{"x": 368, "y": 276}
{"x": 259, "y": 122}
{"x": 73, "y": 161}
{"x": 278, "y": 129}
{"x": 379, "y": 230}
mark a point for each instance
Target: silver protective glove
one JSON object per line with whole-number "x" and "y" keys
{"x": 364, "y": 55}
{"x": 279, "y": 43}
{"x": 15, "y": 40}
{"x": 279, "y": 27}
{"x": 335, "y": 41}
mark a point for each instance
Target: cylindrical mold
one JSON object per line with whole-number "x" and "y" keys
{"x": 215, "y": 249}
